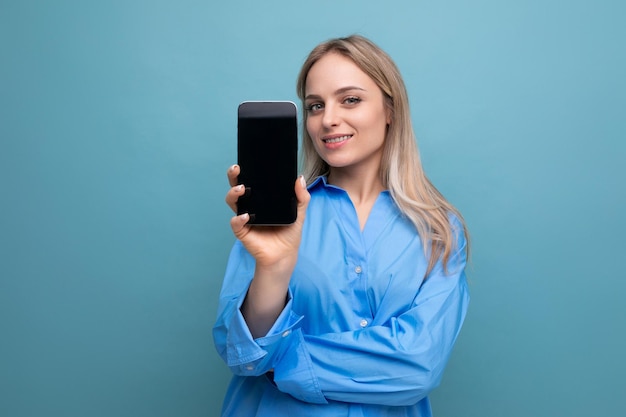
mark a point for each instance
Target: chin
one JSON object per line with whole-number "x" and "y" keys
{"x": 336, "y": 163}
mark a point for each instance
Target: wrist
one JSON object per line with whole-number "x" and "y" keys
{"x": 280, "y": 269}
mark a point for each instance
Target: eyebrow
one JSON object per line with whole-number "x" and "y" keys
{"x": 340, "y": 91}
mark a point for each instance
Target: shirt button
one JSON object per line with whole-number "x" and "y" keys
{"x": 286, "y": 333}
{"x": 358, "y": 270}
{"x": 249, "y": 367}
{"x": 363, "y": 323}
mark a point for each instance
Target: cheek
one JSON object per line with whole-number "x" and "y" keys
{"x": 310, "y": 126}
{"x": 373, "y": 122}
{"x": 380, "y": 120}
{"x": 311, "y": 129}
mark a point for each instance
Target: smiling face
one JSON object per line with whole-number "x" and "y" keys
{"x": 346, "y": 115}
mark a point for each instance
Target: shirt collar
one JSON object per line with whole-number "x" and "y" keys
{"x": 322, "y": 181}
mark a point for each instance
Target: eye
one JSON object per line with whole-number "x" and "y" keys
{"x": 352, "y": 100}
{"x": 314, "y": 107}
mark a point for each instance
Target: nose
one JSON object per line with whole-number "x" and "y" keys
{"x": 330, "y": 117}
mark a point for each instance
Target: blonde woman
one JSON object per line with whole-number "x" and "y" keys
{"x": 353, "y": 310}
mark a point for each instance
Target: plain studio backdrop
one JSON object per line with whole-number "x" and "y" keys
{"x": 117, "y": 125}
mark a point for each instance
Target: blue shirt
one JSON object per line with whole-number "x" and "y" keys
{"x": 362, "y": 333}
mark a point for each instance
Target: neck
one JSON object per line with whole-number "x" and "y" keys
{"x": 363, "y": 186}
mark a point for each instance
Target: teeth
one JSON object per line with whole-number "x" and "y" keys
{"x": 339, "y": 139}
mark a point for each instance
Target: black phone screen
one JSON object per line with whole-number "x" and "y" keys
{"x": 267, "y": 148}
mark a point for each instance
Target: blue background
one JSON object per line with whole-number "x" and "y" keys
{"x": 118, "y": 121}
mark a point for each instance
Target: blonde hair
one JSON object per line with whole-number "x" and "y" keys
{"x": 401, "y": 170}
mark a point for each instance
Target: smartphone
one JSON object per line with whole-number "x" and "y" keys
{"x": 267, "y": 154}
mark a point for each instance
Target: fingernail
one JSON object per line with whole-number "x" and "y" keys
{"x": 232, "y": 168}
{"x": 302, "y": 181}
{"x": 239, "y": 187}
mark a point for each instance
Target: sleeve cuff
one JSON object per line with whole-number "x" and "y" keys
{"x": 251, "y": 355}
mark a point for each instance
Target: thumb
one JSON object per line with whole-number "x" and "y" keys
{"x": 303, "y": 196}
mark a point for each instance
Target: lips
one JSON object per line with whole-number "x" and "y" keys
{"x": 335, "y": 138}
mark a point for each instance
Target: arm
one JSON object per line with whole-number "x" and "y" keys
{"x": 275, "y": 250}
{"x": 245, "y": 355}
{"x": 254, "y": 300}
{"x": 231, "y": 334}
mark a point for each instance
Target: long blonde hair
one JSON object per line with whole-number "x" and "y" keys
{"x": 401, "y": 170}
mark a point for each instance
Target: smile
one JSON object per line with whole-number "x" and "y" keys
{"x": 336, "y": 139}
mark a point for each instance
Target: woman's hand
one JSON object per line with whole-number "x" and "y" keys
{"x": 269, "y": 245}
{"x": 275, "y": 249}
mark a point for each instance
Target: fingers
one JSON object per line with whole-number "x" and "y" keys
{"x": 236, "y": 190}
{"x": 233, "y": 195}
{"x": 233, "y": 173}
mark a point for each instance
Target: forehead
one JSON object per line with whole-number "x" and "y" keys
{"x": 334, "y": 71}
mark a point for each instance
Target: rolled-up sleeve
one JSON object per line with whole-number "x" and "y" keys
{"x": 245, "y": 355}
{"x": 233, "y": 340}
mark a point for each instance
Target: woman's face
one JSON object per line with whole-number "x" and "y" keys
{"x": 346, "y": 115}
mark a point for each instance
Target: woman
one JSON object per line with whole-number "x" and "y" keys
{"x": 352, "y": 310}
